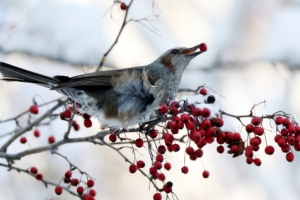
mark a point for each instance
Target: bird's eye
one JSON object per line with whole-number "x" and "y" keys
{"x": 174, "y": 51}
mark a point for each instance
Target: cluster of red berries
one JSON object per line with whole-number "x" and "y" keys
{"x": 87, "y": 193}
{"x": 67, "y": 114}
{"x": 288, "y": 137}
{"x": 34, "y": 171}
{"x": 202, "y": 130}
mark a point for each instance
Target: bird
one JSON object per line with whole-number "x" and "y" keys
{"x": 118, "y": 98}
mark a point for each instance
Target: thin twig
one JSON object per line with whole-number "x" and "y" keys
{"x": 117, "y": 38}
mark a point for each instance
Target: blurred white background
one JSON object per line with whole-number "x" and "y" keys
{"x": 253, "y": 55}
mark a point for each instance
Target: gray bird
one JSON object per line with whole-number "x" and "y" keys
{"x": 118, "y": 98}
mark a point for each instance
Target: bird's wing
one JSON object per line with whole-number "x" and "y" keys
{"x": 102, "y": 78}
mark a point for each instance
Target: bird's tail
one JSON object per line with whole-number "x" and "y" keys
{"x": 13, "y": 73}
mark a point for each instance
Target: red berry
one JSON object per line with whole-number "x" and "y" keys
{"x": 249, "y": 128}
{"x": 140, "y": 164}
{"x": 297, "y": 128}
{"x": 237, "y": 137}
{"x": 169, "y": 184}
{"x": 257, "y": 161}
{"x": 161, "y": 149}
{"x": 139, "y": 142}
{"x": 290, "y": 156}
{"x": 184, "y": 117}
{"x": 87, "y": 123}
{"x": 203, "y": 47}
{"x": 68, "y": 174}
{"x": 297, "y": 139}
{"x": 209, "y": 139}
{"x": 172, "y": 124}
{"x": 254, "y": 142}
{"x": 185, "y": 169}
{"x": 86, "y": 116}
{"x": 278, "y": 120}
{"x": 258, "y": 131}
{"x": 174, "y": 111}
{"x": 229, "y": 137}
{"x": 157, "y": 165}
{"x": 123, "y": 6}
{"x": 193, "y": 156}
{"x": 51, "y": 139}
{"x": 269, "y": 150}
{"x": 284, "y": 132}
{"x": 203, "y": 91}
{"x": 157, "y": 196}
{"x": 80, "y": 190}
{"x": 277, "y": 137}
{"x": 33, "y": 170}
{"x": 90, "y": 183}
{"x": 67, "y": 113}
{"x": 76, "y": 127}
{"x": 62, "y": 116}
{"x": 132, "y": 168}
{"x": 220, "y": 149}
{"x": 67, "y": 180}
{"x": 297, "y": 146}
{"x": 218, "y": 122}
{"x": 174, "y": 104}
{"x": 163, "y": 109}
{"x": 180, "y": 125}
{"x": 23, "y": 140}
{"x": 281, "y": 142}
{"x": 88, "y": 197}
{"x": 58, "y": 190}
{"x": 189, "y": 125}
{"x": 205, "y": 174}
{"x": 286, "y": 122}
{"x": 249, "y": 160}
{"x": 153, "y": 133}
{"x": 36, "y": 133}
{"x": 153, "y": 171}
{"x": 285, "y": 148}
{"x": 234, "y": 149}
{"x": 291, "y": 129}
{"x": 161, "y": 177}
{"x": 34, "y": 109}
{"x": 39, "y": 177}
{"x": 256, "y": 121}
{"x": 291, "y": 139}
{"x": 167, "y": 189}
{"x": 74, "y": 182}
{"x": 199, "y": 153}
{"x": 112, "y": 137}
{"x": 206, "y": 124}
{"x": 189, "y": 150}
{"x": 159, "y": 158}
{"x": 167, "y": 166}
{"x": 175, "y": 147}
{"x": 196, "y": 112}
{"x": 205, "y": 112}
{"x": 92, "y": 192}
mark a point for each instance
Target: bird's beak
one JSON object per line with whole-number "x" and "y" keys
{"x": 192, "y": 52}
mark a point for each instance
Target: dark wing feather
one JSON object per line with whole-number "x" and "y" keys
{"x": 102, "y": 78}
{"x": 13, "y": 73}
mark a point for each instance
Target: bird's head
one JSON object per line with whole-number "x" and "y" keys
{"x": 176, "y": 59}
